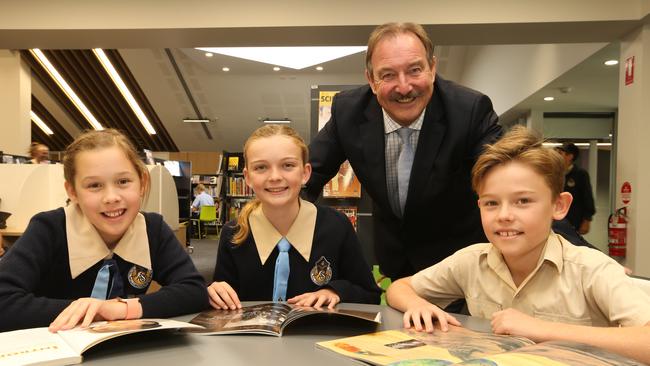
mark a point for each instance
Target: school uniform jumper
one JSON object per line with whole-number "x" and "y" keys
{"x": 36, "y": 282}
{"x": 251, "y": 273}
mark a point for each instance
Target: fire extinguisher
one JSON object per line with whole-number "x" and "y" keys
{"x": 617, "y": 232}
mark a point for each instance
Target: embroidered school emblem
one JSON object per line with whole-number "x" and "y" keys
{"x": 139, "y": 277}
{"x": 571, "y": 182}
{"x": 321, "y": 274}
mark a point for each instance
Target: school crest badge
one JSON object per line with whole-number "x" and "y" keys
{"x": 139, "y": 277}
{"x": 321, "y": 274}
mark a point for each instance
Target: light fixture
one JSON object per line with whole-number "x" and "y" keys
{"x": 226, "y": 69}
{"x": 291, "y": 57}
{"x": 197, "y": 120}
{"x": 126, "y": 93}
{"x": 277, "y": 121}
{"x": 548, "y": 99}
{"x": 39, "y": 122}
{"x": 579, "y": 144}
{"x": 54, "y": 74}
{"x": 209, "y": 54}
{"x": 319, "y": 68}
{"x": 611, "y": 62}
{"x": 276, "y": 69}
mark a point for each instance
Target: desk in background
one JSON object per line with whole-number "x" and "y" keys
{"x": 296, "y": 347}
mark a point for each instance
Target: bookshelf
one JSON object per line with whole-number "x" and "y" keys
{"x": 235, "y": 193}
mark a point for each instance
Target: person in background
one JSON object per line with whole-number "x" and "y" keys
{"x": 282, "y": 248}
{"x": 39, "y": 153}
{"x": 95, "y": 258}
{"x": 528, "y": 280}
{"x": 411, "y": 138}
{"x": 576, "y": 182}
{"x": 202, "y": 199}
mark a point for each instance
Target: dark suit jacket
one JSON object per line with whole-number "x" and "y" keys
{"x": 441, "y": 213}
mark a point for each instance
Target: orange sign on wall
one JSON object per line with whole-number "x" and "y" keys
{"x": 629, "y": 70}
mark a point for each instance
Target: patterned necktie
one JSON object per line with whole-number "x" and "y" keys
{"x": 404, "y": 164}
{"x": 281, "y": 277}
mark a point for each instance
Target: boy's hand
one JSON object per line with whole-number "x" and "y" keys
{"x": 223, "y": 296}
{"x": 514, "y": 322}
{"x": 317, "y": 299}
{"x": 423, "y": 310}
{"x": 86, "y": 310}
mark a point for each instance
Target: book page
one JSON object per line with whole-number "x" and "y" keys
{"x": 80, "y": 339}
{"x": 301, "y": 311}
{"x": 263, "y": 318}
{"x": 36, "y": 346}
{"x": 411, "y": 347}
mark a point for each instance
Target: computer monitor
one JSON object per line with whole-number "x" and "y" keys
{"x": 173, "y": 167}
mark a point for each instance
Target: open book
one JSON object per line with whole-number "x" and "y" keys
{"x": 461, "y": 346}
{"x": 37, "y": 346}
{"x": 268, "y": 318}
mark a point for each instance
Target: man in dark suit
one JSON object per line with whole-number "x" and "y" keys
{"x": 424, "y": 208}
{"x": 576, "y": 182}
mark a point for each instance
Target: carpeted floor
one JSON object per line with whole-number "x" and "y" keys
{"x": 204, "y": 256}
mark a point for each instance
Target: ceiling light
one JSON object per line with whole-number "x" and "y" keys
{"x": 319, "y": 68}
{"x": 226, "y": 69}
{"x": 548, "y": 99}
{"x": 54, "y": 74}
{"x": 578, "y": 144}
{"x": 291, "y": 57}
{"x": 39, "y": 122}
{"x": 126, "y": 93}
{"x": 611, "y": 62}
{"x": 209, "y": 54}
{"x": 276, "y": 69}
{"x": 277, "y": 121}
{"x": 189, "y": 120}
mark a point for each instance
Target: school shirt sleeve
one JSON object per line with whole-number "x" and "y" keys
{"x": 355, "y": 282}
{"x": 440, "y": 284}
{"x": 22, "y": 269}
{"x": 183, "y": 289}
{"x": 225, "y": 268}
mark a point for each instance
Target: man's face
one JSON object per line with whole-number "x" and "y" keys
{"x": 402, "y": 78}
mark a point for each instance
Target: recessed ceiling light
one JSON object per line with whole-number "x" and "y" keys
{"x": 611, "y": 62}
{"x": 226, "y": 69}
{"x": 209, "y": 54}
{"x": 319, "y": 68}
{"x": 548, "y": 99}
{"x": 288, "y": 57}
{"x": 276, "y": 69}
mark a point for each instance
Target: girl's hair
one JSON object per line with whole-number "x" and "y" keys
{"x": 92, "y": 140}
{"x": 525, "y": 147}
{"x": 243, "y": 227}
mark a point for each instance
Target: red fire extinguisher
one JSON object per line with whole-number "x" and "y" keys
{"x": 617, "y": 232}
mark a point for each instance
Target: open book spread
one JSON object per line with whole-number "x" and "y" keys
{"x": 461, "y": 346}
{"x": 37, "y": 346}
{"x": 268, "y": 318}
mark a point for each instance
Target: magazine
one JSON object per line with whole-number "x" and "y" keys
{"x": 267, "y": 318}
{"x": 38, "y": 346}
{"x": 345, "y": 184}
{"x": 460, "y": 346}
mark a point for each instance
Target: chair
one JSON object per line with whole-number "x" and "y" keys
{"x": 207, "y": 214}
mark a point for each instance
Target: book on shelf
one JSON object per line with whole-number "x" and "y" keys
{"x": 38, "y": 346}
{"x": 219, "y": 165}
{"x": 460, "y": 346}
{"x": 267, "y": 318}
{"x": 345, "y": 184}
{"x": 233, "y": 163}
{"x": 350, "y": 212}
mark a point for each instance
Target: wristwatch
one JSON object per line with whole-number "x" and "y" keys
{"x": 131, "y": 307}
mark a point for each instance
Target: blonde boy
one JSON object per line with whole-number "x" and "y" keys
{"x": 528, "y": 280}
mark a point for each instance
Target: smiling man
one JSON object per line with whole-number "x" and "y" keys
{"x": 411, "y": 138}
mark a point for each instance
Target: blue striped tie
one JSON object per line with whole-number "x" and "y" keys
{"x": 404, "y": 164}
{"x": 281, "y": 277}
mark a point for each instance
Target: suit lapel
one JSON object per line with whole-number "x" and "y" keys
{"x": 373, "y": 145}
{"x": 429, "y": 141}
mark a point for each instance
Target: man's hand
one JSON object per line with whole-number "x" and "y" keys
{"x": 324, "y": 296}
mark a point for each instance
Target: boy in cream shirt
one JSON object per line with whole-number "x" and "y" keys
{"x": 528, "y": 280}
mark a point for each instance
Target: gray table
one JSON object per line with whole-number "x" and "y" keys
{"x": 295, "y": 347}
